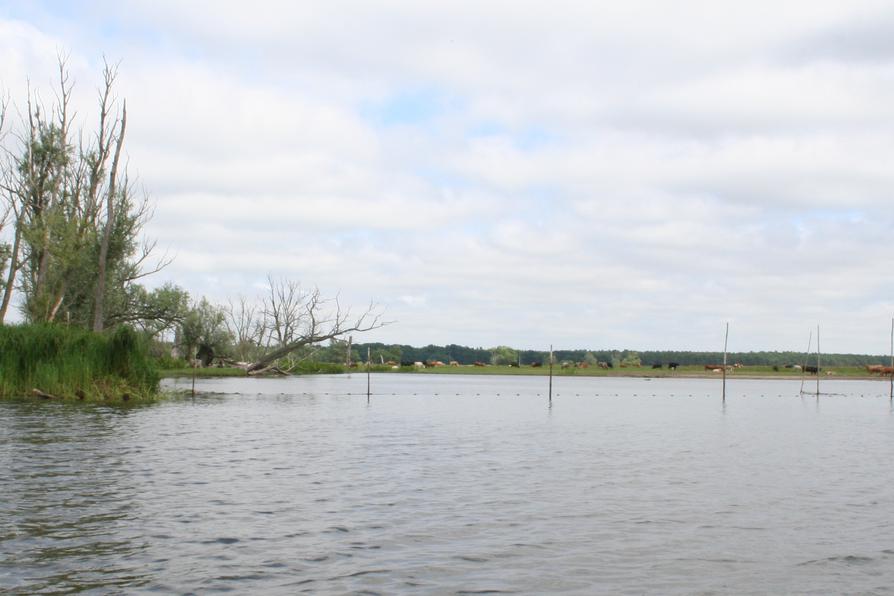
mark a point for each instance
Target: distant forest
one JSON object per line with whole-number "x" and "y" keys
{"x": 379, "y": 352}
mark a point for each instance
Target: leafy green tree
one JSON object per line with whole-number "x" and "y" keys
{"x": 76, "y": 215}
{"x": 631, "y": 359}
{"x": 503, "y": 355}
{"x": 203, "y": 332}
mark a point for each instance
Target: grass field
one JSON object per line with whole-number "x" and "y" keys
{"x": 646, "y": 371}
{"x": 846, "y": 372}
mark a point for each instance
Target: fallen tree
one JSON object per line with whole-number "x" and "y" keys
{"x": 292, "y": 318}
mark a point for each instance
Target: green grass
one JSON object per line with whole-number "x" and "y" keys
{"x": 75, "y": 363}
{"x": 643, "y": 371}
{"x": 310, "y": 368}
{"x": 202, "y": 372}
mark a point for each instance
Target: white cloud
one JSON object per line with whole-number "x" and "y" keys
{"x": 590, "y": 174}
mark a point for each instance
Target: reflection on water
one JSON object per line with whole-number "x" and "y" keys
{"x": 453, "y": 484}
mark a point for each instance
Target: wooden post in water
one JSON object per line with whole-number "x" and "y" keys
{"x": 806, "y": 356}
{"x": 892, "y": 360}
{"x": 725, "y": 339}
{"x": 367, "y": 374}
{"x": 817, "y": 360}
{"x": 550, "y": 373}
{"x": 194, "y": 373}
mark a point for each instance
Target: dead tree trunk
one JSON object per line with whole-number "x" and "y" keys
{"x": 318, "y": 324}
{"x": 99, "y": 300}
{"x": 11, "y": 275}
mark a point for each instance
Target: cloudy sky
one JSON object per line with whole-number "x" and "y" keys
{"x": 586, "y": 174}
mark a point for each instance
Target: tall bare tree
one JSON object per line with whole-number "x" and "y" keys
{"x": 246, "y": 325}
{"x": 77, "y": 215}
{"x": 109, "y": 75}
{"x": 298, "y": 317}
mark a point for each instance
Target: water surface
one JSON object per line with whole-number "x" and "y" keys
{"x": 454, "y": 484}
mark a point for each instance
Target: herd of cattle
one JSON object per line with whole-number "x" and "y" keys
{"x": 872, "y": 369}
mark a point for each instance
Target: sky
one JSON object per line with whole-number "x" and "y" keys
{"x": 583, "y": 174}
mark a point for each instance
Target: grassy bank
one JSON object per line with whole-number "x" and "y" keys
{"x": 170, "y": 373}
{"x": 763, "y": 372}
{"x": 72, "y": 363}
{"x": 847, "y": 372}
{"x": 302, "y": 368}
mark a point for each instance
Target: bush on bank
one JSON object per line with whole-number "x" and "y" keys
{"x": 72, "y": 362}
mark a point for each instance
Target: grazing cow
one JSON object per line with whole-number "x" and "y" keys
{"x": 477, "y": 363}
{"x": 536, "y": 365}
{"x": 672, "y": 365}
{"x": 797, "y": 367}
{"x": 604, "y": 365}
{"x": 583, "y": 365}
{"x": 887, "y": 370}
{"x": 811, "y": 370}
{"x": 454, "y": 363}
{"x": 874, "y": 368}
{"x": 713, "y": 367}
{"x": 419, "y": 364}
{"x": 407, "y": 363}
{"x": 657, "y": 365}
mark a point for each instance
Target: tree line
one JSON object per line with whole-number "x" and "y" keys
{"x": 504, "y": 355}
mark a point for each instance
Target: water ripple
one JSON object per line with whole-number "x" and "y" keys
{"x": 293, "y": 486}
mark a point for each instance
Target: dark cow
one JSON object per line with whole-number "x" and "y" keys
{"x": 672, "y": 365}
{"x": 811, "y": 369}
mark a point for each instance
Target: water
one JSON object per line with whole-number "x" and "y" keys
{"x": 452, "y": 485}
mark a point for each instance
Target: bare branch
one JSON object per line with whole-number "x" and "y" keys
{"x": 317, "y": 321}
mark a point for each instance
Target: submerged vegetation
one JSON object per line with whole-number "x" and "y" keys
{"x": 70, "y": 362}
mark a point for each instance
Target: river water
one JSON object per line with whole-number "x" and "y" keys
{"x": 454, "y": 485}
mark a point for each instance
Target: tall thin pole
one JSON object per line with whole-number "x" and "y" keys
{"x": 725, "y": 339}
{"x": 817, "y": 360}
{"x": 195, "y": 351}
{"x": 806, "y": 356}
{"x": 367, "y": 374}
{"x": 550, "y": 373}
{"x": 892, "y": 360}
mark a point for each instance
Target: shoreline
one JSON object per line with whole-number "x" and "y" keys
{"x": 845, "y": 374}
